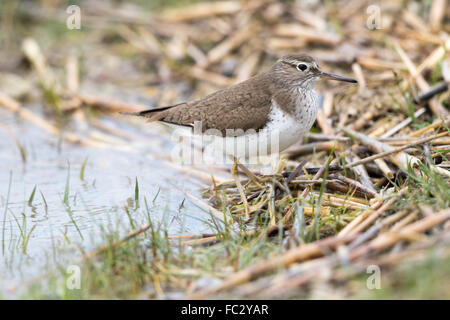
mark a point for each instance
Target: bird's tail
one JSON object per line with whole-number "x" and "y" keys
{"x": 146, "y": 113}
{"x": 149, "y": 113}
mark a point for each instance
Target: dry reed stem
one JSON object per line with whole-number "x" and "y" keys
{"x": 13, "y": 106}
{"x": 370, "y": 191}
{"x": 201, "y": 11}
{"x": 219, "y": 52}
{"x": 362, "y": 87}
{"x": 377, "y": 64}
{"x": 384, "y": 167}
{"x": 434, "y": 104}
{"x": 384, "y": 240}
{"x": 108, "y": 104}
{"x": 312, "y": 147}
{"x": 372, "y": 216}
{"x": 328, "y": 102}
{"x": 190, "y": 236}
{"x": 362, "y": 121}
{"x": 207, "y": 207}
{"x": 306, "y": 191}
{"x": 395, "y": 155}
{"x": 34, "y": 54}
{"x": 113, "y": 244}
{"x": 361, "y": 172}
{"x": 436, "y": 124}
{"x": 250, "y": 175}
{"x": 346, "y": 230}
{"x": 437, "y": 14}
{"x": 388, "y": 239}
{"x": 403, "y": 124}
{"x": 307, "y": 34}
{"x": 234, "y": 173}
{"x": 214, "y": 78}
{"x": 307, "y": 251}
{"x": 203, "y": 241}
{"x": 200, "y": 174}
{"x": 337, "y": 202}
{"x": 433, "y": 59}
{"x": 324, "y": 123}
{"x": 405, "y": 221}
{"x": 377, "y": 227}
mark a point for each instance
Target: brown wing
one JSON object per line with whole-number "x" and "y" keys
{"x": 286, "y": 100}
{"x": 243, "y": 106}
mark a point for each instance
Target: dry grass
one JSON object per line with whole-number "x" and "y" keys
{"x": 369, "y": 185}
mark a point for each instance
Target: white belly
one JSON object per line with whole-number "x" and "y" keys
{"x": 291, "y": 128}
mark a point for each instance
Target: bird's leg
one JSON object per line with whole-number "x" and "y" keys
{"x": 235, "y": 174}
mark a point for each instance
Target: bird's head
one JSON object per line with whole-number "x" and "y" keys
{"x": 302, "y": 69}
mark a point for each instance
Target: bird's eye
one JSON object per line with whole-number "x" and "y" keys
{"x": 302, "y": 67}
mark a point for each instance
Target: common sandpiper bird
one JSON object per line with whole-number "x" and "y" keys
{"x": 262, "y": 115}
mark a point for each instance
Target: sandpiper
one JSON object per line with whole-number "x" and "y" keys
{"x": 262, "y": 115}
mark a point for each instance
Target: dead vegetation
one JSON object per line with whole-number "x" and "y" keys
{"x": 368, "y": 186}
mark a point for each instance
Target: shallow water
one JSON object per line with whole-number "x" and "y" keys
{"x": 94, "y": 203}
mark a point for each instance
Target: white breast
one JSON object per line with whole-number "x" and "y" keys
{"x": 292, "y": 128}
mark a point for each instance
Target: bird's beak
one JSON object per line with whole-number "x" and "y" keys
{"x": 336, "y": 77}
